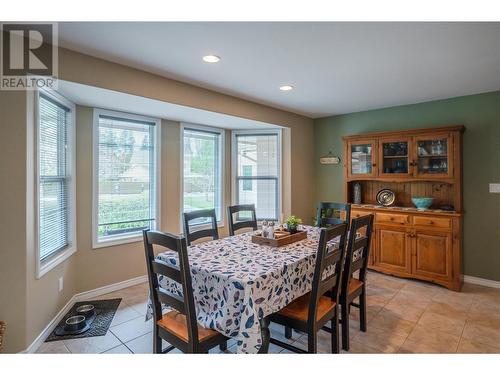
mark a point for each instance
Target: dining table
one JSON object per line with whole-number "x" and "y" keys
{"x": 238, "y": 284}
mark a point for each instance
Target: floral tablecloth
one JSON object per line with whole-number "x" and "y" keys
{"x": 237, "y": 282}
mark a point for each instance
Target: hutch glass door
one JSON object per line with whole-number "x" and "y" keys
{"x": 361, "y": 158}
{"x": 433, "y": 156}
{"x": 394, "y": 157}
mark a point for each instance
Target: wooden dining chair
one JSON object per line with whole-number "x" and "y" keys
{"x": 358, "y": 251}
{"x": 178, "y": 327}
{"x": 235, "y": 225}
{"x": 313, "y": 310}
{"x": 336, "y": 209}
{"x": 201, "y": 233}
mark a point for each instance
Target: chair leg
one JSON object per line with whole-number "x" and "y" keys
{"x": 312, "y": 343}
{"x": 362, "y": 312}
{"x": 288, "y": 332}
{"x": 345, "y": 326}
{"x": 223, "y": 346}
{"x": 157, "y": 349}
{"x": 335, "y": 332}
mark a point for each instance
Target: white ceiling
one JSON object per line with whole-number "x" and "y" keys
{"x": 107, "y": 99}
{"x": 335, "y": 67}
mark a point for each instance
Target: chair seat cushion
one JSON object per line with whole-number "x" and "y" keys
{"x": 299, "y": 308}
{"x": 176, "y": 323}
{"x": 354, "y": 285}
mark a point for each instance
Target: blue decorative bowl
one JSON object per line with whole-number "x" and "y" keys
{"x": 422, "y": 203}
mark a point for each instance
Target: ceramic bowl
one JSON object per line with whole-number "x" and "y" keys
{"x": 422, "y": 203}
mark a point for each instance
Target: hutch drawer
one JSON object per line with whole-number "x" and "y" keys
{"x": 355, "y": 214}
{"x": 389, "y": 218}
{"x": 432, "y": 222}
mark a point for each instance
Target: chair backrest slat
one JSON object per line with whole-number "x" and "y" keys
{"x": 358, "y": 250}
{"x": 331, "y": 258}
{"x": 167, "y": 270}
{"x": 237, "y": 225}
{"x": 182, "y": 275}
{"x": 357, "y": 265}
{"x": 242, "y": 224}
{"x": 335, "y": 258}
{"x": 202, "y": 233}
{"x": 334, "y": 207}
{"x": 328, "y": 283}
{"x": 171, "y": 300}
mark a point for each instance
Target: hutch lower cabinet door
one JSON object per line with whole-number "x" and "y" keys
{"x": 432, "y": 254}
{"x": 392, "y": 249}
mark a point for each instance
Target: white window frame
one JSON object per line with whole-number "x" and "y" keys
{"x": 221, "y": 132}
{"x": 45, "y": 265}
{"x": 133, "y": 237}
{"x": 234, "y": 163}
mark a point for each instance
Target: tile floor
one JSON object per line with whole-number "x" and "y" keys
{"x": 404, "y": 316}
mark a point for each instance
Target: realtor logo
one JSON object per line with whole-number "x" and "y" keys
{"x": 28, "y": 56}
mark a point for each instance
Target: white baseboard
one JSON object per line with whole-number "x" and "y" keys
{"x": 479, "y": 281}
{"x": 50, "y": 327}
{"x": 110, "y": 288}
{"x": 32, "y": 348}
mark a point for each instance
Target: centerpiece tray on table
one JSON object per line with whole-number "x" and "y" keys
{"x": 281, "y": 238}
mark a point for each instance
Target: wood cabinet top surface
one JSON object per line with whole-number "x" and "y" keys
{"x": 407, "y": 133}
{"x": 406, "y": 210}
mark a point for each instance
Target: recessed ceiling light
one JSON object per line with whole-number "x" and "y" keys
{"x": 286, "y": 88}
{"x": 211, "y": 58}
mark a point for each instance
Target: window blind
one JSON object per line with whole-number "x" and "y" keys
{"x": 126, "y": 177}
{"x": 53, "y": 177}
{"x": 202, "y": 171}
{"x": 257, "y": 175}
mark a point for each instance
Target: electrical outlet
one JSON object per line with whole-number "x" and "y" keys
{"x": 61, "y": 283}
{"x": 494, "y": 188}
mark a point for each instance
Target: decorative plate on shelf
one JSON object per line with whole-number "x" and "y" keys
{"x": 386, "y": 197}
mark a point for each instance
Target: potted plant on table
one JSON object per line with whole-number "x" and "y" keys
{"x": 292, "y": 224}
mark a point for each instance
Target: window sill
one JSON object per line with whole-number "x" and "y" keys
{"x": 119, "y": 240}
{"x": 49, "y": 264}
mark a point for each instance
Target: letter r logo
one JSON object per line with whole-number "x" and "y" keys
{"x": 27, "y": 49}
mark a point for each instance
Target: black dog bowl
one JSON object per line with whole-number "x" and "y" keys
{"x": 86, "y": 310}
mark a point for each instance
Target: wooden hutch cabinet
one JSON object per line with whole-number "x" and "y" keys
{"x": 407, "y": 242}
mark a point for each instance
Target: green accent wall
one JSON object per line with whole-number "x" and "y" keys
{"x": 481, "y": 163}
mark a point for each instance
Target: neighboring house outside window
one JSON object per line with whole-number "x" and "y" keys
{"x": 256, "y": 176}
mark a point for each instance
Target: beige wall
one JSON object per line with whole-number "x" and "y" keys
{"x": 28, "y": 304}
{"x": 13, "y": 218}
